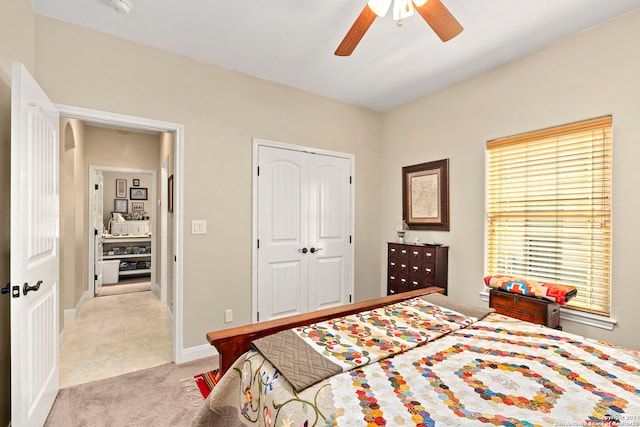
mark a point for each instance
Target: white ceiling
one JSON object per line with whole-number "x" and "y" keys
{"x": 292, "y": 41}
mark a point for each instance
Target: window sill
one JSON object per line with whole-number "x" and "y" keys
{"x": 594, "y": 320}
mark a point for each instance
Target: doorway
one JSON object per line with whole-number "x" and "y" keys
{"x": 123, "y": 231}
{"x": 174, "y": 136}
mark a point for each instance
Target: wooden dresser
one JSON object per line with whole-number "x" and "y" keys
{"x": 535, "y": 310}
{"x": 411, "y": 266}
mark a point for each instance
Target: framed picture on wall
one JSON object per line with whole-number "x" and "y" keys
{"x": 121, "y": 188}
{"x": 136, "y": 182}
{"x": 120, "y": 205}
{"x": 425, "y": 195}
{"x": 137, "y": 206}
{"x": 138, "y": 193}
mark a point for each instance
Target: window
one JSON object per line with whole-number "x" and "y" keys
{"x": 549, "y": 209}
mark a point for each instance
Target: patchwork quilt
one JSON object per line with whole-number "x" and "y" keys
{"x": 494, "y": 371}
{"x": 552, "y": 291}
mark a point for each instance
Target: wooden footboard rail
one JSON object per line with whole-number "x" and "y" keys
{"x": 232, "y": 343}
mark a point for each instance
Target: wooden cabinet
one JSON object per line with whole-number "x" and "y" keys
{"x": 535, "y": 310}
{"x": 411, "y": 267}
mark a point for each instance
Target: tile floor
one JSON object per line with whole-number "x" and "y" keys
{"x": 113, "y": 335}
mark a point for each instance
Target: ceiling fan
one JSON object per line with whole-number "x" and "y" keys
{"x": 441, "y": 21}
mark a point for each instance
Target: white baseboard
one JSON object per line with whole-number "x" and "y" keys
{"x": 72, "y": 313}
{"x": 195, "y": 353}
{"x": 155, "y": 288}
{"x": 62, "y": 338}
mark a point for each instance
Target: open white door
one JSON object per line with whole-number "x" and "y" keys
{"x": 98, "y": 229}
{"x": 34, "y": 250}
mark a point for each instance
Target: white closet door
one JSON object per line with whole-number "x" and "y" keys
{"x": 304, "y": 226}
{"x": 282, "y": 233}
{"x": 329, "y": 231}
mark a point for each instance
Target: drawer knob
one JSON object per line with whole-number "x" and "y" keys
{"x": 428, "y": 254}
{"x": 427, "y": 270}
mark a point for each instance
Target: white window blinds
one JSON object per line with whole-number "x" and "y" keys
{"x": 549, "y": 209}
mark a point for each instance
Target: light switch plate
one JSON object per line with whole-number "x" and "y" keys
{"x": 199, "y": 227}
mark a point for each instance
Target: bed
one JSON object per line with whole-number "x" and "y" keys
{"x": 420, "y": 359}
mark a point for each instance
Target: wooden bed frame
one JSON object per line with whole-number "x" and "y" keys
{"x": 232, "y": 343}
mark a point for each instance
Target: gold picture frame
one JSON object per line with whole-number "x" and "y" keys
{"x": 425, "y": 195}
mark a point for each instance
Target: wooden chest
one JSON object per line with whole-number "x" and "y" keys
{"x": 531, "y": 309}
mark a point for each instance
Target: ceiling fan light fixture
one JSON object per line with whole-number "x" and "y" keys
{"x": 379, "y": 7}
{"x": 402, "y": 9}
{"x": 123, "y": 7}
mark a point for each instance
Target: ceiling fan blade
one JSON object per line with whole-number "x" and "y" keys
{"x": 356, "y": 32}
{"x": 441, "y": 21}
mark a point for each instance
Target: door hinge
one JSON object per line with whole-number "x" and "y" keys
{"x": 15, "y": 291}
{"x": 258, "y": 170}
{"x": 95, "y": 277}
{"x": 258, "y": 315}
{"x": 258, "y": 243}
{"x": 350, "y": 239}
{"x": 95, "y": 232}
{"x": 175, "y": 258}
{"x": 349, "y": 297}
{"x": 350, "y": 180}
{"x": 96, "y": 186}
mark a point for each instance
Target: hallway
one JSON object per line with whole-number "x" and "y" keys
{"x": 114, "y": 335}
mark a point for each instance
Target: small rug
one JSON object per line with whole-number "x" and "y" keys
{"x": 199, "y": 386}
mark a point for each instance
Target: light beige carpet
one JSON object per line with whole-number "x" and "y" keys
{"x": 151, "y": 397}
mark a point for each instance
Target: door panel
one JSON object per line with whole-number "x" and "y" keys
{"x": 282, "y": 233}
{"x": 34, "y": 250}
{"x": 286, "y": 288}
{"x": 329, "y": 227}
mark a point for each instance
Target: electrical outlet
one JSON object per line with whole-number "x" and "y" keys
{"x": 228, "y": 316}
{"x": 199, "y": 227}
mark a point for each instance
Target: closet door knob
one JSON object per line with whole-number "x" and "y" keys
{"x": 303, "y": 250}
{"x": 314, "y": 250}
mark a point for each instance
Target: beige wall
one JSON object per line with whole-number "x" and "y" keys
{"x": 589, "y": 75}
{"x": 221, "y": 111}
{"x": 73, "y": 222}
{"x": 110, "y": 193}
{"x": 17, "y": 24}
